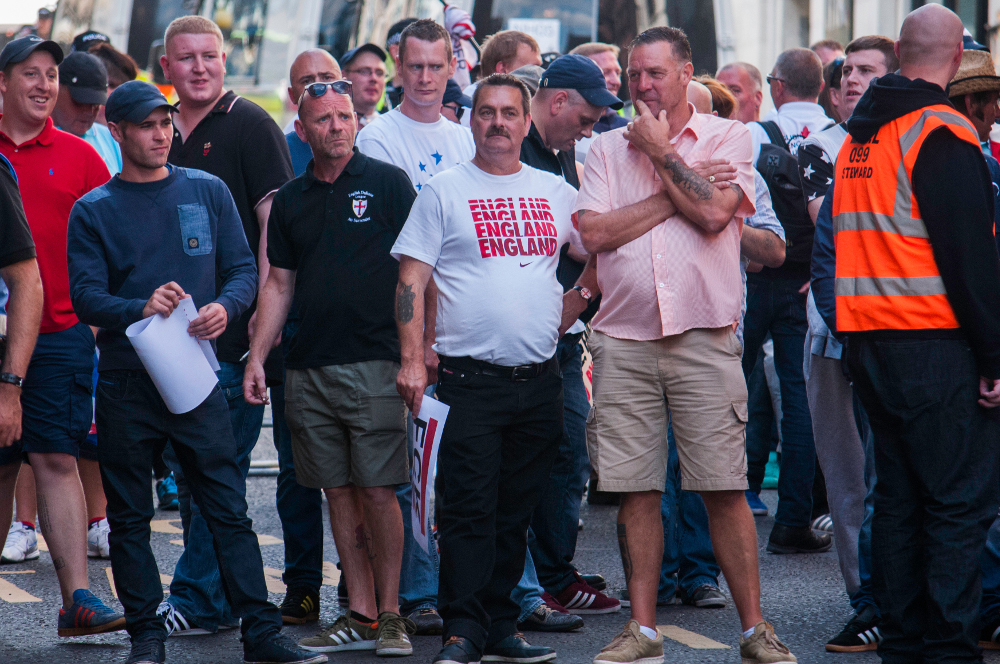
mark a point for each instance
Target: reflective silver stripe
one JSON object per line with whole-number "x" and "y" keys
{"x": 908, "y": 139}
{"x": 871, "y": 221}
{"x": 888, "y": 286}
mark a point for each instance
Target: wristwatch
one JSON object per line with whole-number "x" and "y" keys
{"x": 584, "y": 292}
{"x": 13, "y": 379}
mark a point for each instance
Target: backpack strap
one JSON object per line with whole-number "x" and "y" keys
{"x": 774, "y": 133}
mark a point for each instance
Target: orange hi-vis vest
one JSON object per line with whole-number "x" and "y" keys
{"x": 887, "y": 278}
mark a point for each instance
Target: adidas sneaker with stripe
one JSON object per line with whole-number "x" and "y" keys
{"x": 582, "y": 599}
{"x": 859, "y": 635}
{"x": 344, "y": 634}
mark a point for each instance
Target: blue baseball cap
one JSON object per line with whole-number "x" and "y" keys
{"x": 576, "y": 72}
{"x": 453, "y": 92}
{"x": 19, "y": 50}
{"x": 364, "y": 48}
{"x": 133, "y": 101}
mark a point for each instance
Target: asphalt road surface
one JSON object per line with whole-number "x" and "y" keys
{"x": 803, "y": 596}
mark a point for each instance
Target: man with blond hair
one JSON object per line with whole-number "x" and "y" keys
{"x": 238, "y": 142}
{"x": 604, "y": 56}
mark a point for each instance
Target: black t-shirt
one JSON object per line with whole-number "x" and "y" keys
{"x": 240, "y": 144}
{"x": 337, "y": 238}
{"x": 16, "y": 244}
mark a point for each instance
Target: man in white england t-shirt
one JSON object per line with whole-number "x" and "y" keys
{"x": 490, "y": 232}
{"x": 415, "y": 136}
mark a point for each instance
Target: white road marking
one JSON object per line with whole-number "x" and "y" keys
{"x": 11, "y": 593}
{"x": 690, "y": 639}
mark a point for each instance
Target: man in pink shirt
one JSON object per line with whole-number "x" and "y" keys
{"x": 668, "y": 265}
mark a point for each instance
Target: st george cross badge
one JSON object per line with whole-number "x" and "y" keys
{"x": 360, "y": 205}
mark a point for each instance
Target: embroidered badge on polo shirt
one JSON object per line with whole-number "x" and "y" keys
{"x": 359, "y": 205}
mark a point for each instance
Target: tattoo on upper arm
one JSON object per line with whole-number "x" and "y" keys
{"x": 626, "y": 556}
{"x": 404, "y": 302}
{"x": 739, "y": 193}
{"x": 687, "y": 179}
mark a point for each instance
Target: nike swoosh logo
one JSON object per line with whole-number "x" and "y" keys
{"x": 525, "y": 264}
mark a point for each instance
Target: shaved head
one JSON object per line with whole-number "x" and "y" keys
{"x": 930, "y": 44}
{"x": 311, "y": 66}
{"x": 700, "y": 96}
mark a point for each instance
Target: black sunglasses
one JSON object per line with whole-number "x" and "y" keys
{"x": 344, "y": 87}
{"x": 458, "y": 109}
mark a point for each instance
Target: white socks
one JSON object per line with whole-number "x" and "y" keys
{"x": 747, "y": 634}
{"x": 650, "y": 633}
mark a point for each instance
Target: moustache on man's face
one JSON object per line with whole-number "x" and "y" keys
{"x": 497, "y": 131}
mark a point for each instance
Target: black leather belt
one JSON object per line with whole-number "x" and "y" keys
{"x": 518, "y": 373}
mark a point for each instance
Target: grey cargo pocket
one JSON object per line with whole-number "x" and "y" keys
{"x": 196, "y": 232}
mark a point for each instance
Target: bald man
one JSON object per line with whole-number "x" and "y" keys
{"x": 300, "y": 508}
{"x": 935, "y": 296}
{"x": 700, "y": 96}
{"x": 311, "y": 66}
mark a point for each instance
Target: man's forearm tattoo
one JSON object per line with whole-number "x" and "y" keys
{"x": 626, "y": 556}
{"x": 687, "y": 179}
{"x": 738, "y": 191}
{"x": 404, "y": 302}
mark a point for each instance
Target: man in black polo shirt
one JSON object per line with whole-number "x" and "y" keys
{"x": 329, "y": 238}
{"x": 238, "y": 142}
{"x": 572, "y": 95}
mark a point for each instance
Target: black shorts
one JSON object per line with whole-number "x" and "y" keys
{"x": 57, "y": 396}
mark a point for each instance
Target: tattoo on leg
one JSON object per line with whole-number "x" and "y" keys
{"x": 404, "y": 302}
{"x": 59, "y": 563}
{"x": 626, "y": 556}
{"x": 687, "y": 179}
{"x": 364, "y": 541}
{"x": 43, "y": 514}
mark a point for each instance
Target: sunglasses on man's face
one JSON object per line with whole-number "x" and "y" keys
{"x": 319, "y": 89}
{"x": 458, "y": 109}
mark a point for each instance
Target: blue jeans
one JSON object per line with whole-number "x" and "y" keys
{"x": 135, "y": 427}
{"x": 990, "y": 605}
{"x": 528, "y": 593}
{"x": 196, "y": 590}
{"x": 688, "y": 559}
{"x": 762, "y": 430}
{"x": 776, "y": 306}
{"x": 300, "y": 508}
{"x": 864, "y": 597}
{"x": 418, "y": 579}
{"x": 557, "y": 517}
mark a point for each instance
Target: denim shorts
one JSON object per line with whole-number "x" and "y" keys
{"x": 57, "y": 399}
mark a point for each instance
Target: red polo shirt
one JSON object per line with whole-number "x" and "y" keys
{"x": 54, "y": 169}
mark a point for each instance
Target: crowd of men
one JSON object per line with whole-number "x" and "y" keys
{"x": 824, "y": 281}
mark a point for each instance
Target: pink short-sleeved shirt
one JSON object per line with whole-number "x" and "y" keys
{"x": 675, "y": 277}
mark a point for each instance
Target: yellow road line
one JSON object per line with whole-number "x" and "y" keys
{"x": 11, "y": 593}
{"x": 111, "y": 581}
{"x": 165, "y": 526}
{"x": 262, "y": 540}
{"x": 272, "y": 577}
{"x": 331, "y": 575}
{"x": 166, "y": 579}
{"x": 19, "y": 571}
{"x": 690, "y": 639}
{"x": 42, "y": 544}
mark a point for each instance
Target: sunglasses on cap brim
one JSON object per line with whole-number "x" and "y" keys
{"x": 343, "y": 87}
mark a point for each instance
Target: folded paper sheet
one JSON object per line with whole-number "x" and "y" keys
{"x": 182, "y": 367}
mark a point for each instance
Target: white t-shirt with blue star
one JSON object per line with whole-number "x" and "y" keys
{"x": 422, "y": 149}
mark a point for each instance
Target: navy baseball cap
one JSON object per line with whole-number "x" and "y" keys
{"x": 453, "y": 92}
{"x": 86, "y": 78}
{"x": 576, "y": 72}
{"x": 85, "y": 40}
{"x": 364, "y": 48}
{"x": 19, "y": 50}
{"x": 134, "y": 101}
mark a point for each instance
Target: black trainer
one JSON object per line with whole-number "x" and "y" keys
{"x": 458, "y": 650}
{"x": 301, "y": 605}
{"x": 515, "y": 649}
{"x": 546, "y": 619}
{"x": 989, "y": 638}
{"x": 427, "y": 621}
{"x": 705, "y": 596}
{"x": 859, "y": 635}
{"x": 595, "y": 581}
{"x": 786, "y": 539}
{"x": 279, "y": 649}
{"x": 149, "y": 650}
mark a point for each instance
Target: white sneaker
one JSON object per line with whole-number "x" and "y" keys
{"x": 176, "y": 623}
{"x": 97, "y": 539}
{"x": 22, "y": 544}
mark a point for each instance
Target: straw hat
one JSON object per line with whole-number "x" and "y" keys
{"x": 976, "y": 74}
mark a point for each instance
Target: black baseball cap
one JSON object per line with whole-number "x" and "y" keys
{"x": 19, "y": 50}
{"x": 133, "y": 101}
{"x": 85, "y": 40}
{"x": 453, "y": 92}
{"x": 576, "y": 72}
{"x": 364, "y": 48}
{"x": 392, "y": 37}
{"x": 86, "y": 77}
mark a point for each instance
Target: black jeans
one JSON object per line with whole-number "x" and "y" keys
{"x": 936, "y": 459}
{"x": 135, "y": 426}
{"x": 497, "y": 448}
